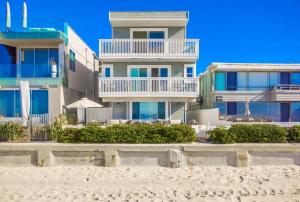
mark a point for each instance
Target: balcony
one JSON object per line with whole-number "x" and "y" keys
{"x": 37, "y": 75}
{"x": 171, "y": 49}
{"x": 285, "y": 93}
{"x": 149, "y": 87}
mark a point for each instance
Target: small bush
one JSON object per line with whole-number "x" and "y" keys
{"x": 11, "y": 131}
{"x": 221, "y": 136}
{"x": 129, "y": 133}
{"x": 294, "y": 134}
{"x": 256, "y": 133}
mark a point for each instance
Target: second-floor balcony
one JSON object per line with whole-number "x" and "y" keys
{"x": 149, "y": 48}
{"x": 12, "y": 74}
{"x": 149, "y": 87}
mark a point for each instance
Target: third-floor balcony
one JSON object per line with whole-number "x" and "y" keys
{"x": 168, "y": 49}
{"x": 149, "y": 87}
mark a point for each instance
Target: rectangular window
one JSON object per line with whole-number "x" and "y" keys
{"x": 231, "y": 108}
{"x": 242, "y": 81}
{"x": 274, "y": 79}
{"x": 39, "y": 102}
{"x": 295, "y": 111}
{"x": 220, "y": 81}
{"x": 72, "y": 61}
{"x": 148, "y": 110}
{"x": 259, "y": 109}
{"x": 35, "y": 62}
{"x": 285, "y": 78}
{"x": 163, "y": 72}
{"x": 296, "y": 78}
{"x": 107, "y": 72}
{"x": 258, "y": 80}
{"x": 42, "y": 67}
{"x": 10, "y": 103}
{"x": 231, "y": 81}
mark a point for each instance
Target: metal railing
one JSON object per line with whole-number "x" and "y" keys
{"x": 38, "y": 125}
{"x": 287, "y": 87}
{"x": 151, "y": 86}
{"x": 149, "y": 47}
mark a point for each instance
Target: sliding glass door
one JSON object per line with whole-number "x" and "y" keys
{"x": 148, "y": 111}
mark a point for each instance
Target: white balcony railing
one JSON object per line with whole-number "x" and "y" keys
{"x": 158, "y": 87}
{"x": 149, "y": 48}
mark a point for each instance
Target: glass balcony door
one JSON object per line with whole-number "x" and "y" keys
{"x": 35, "y": 62}
{"x": 148, "y": 41}
{"x": 148, "y": 111}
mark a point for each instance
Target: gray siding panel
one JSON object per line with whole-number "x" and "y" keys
{"x": 119, "y": 112}
{"x": 121, "y": 32}
{"x": 176, "y": 32}
{"x": 177, "y": 112}
{"x": 120, "y": 69}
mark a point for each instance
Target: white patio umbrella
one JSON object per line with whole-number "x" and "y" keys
{"x": 84, "y": 103}
{"x": 81, "y": 105}
{"x": 8, "y": 16}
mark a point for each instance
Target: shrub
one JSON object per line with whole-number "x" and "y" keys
{"x": 294, "y": 134}
{"x": 256, "y": 133}
{"x": 129, "y": 133}
{"x": 221, "y": 135}
{"x": 11, "y": 131}
{"x": 56, "y": 129}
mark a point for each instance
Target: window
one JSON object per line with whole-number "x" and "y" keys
{"x": 258, "y": 80}
{"x": 148, "y": 110}
{"x": 242, "y": 81}
{"x": 274, "y": 79}
{"x": 35, "y": 62}
{"x": 72, "y": 61}
{"x": 285, "y": 78}
{"x": 189, "y": 70}
{"x": 148, "y": 33}
{"x": 10, "y": 103}
{"x": 220, "y": 81}
{"x": 295, "y": 111}
{"x": 7, "y": 61}
{"x": 231, "y": 108}
{"x": 39, "y": 102}
{"x": 296, "y": 78}
{"x": 231, "y": 81}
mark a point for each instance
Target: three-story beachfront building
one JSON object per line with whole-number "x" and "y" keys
{"x": 267, "y": 91}
{"x": 149, "y": 66}
{"x": 57, "y": 67}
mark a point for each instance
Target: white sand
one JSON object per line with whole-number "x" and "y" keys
{"x": 150, "y": 184}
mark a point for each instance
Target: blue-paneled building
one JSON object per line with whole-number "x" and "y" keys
{"x": 272, "y": 91}
{"x": 41, "y": 56}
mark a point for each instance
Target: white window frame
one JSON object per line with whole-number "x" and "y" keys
{"x": 165, "y": 30}
{"x": 111, "y": 66}
{"x": 148, "y": 67}
{"x": 194, "y": 70}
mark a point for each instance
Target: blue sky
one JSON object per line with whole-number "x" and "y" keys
{"x": 230, "y": 30}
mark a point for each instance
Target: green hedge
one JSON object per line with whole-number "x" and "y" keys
{"x": 294, "y": 134}
{"x": 129, "y": 133}
{"x": 11, "y": 131}
{"x": 256, "y": 133}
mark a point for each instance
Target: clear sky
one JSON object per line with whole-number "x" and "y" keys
{"x": 230, "y": 30}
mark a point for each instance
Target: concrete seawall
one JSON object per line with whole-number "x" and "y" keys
{"x": 166, "y": 155}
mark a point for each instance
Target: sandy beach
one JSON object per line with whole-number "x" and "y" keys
{"x": 150, "y": 184}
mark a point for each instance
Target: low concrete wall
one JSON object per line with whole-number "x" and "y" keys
{"x": 167, "y": 155}
{"x": 204, "y": 116}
